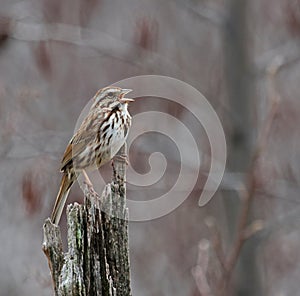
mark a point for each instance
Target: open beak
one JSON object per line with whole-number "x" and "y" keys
{"x": 123, "y": 93}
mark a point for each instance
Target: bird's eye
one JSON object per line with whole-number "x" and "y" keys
{"x": 110, "y": 94}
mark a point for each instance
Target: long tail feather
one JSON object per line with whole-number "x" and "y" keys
{"x": 61, "y": 198}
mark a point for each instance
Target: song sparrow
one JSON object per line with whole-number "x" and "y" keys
{"x": 100, "y": 136}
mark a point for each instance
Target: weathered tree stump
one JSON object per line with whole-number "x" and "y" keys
{"x": 97, "y": 260}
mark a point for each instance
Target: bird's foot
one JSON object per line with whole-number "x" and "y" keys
{"x": 89, "y": 186}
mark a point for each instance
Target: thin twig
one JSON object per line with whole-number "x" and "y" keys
{"x": 248, "y": 194}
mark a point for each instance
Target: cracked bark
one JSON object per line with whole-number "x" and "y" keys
{"x": 97, "y": 260}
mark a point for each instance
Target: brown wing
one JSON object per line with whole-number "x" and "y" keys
{"x": 86, "y": 134}
{"x": 74, "y": 148}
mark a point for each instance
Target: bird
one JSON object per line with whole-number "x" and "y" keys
{"x": 100, "y": 136}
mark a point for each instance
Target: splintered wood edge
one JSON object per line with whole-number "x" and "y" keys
{"x": 52, "y": 247}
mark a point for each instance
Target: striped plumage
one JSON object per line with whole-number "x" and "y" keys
{"x": 100, "y": 136}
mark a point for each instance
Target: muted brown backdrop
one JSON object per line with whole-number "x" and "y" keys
{"x": 242, "y": 55}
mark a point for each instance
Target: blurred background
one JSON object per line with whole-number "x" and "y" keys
{"x": 244, "y": 56}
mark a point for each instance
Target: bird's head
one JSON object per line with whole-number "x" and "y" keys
{"x": 110, "y": 95}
